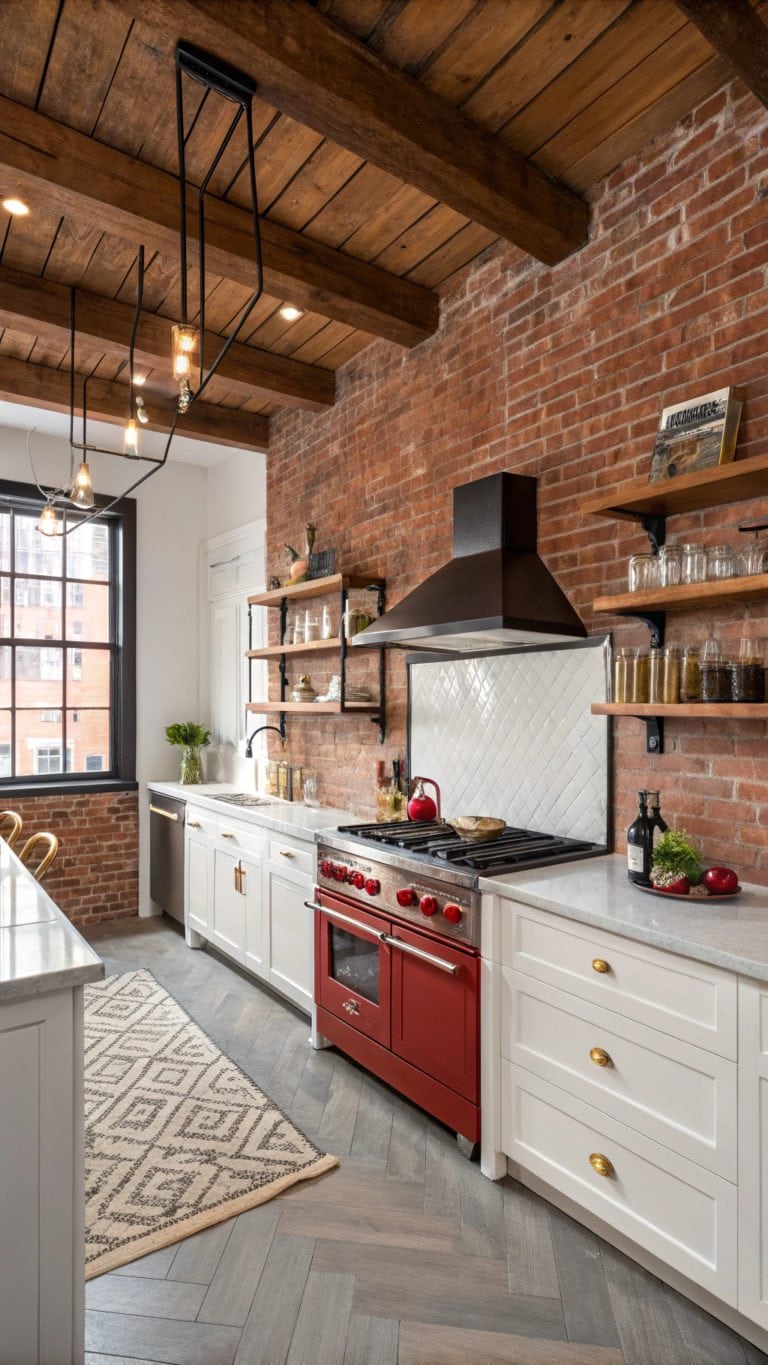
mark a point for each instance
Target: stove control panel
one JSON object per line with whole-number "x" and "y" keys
{"x": 445, "y": 909}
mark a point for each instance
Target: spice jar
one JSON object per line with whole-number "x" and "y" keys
{"x": 690, "y": 675}
{"x": 641, "y": 676}
{"x": 623, "y": 663}
{"x": 748, "y": 673}
{"x": 715, "y": 673}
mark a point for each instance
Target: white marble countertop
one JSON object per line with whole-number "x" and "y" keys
{"x": 731, "y": 934}
{"x": 287, "y": 817}
{"x": 40, "y": 950}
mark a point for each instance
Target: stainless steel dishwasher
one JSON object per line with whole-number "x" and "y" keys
{"x": 166, "y": 854}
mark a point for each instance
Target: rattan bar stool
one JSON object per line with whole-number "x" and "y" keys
{"x": 42, "y": 837}
{"x": 10, "y": 826}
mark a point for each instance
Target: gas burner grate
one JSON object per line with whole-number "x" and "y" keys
{"x": 435, "y": 839}
{"x": 242, "y": 799}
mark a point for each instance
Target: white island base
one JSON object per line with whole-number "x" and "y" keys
{"x": 625, "y": 1072}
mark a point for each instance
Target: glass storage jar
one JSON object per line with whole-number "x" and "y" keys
{"x": 670, "y": 566}
{"x": 623, "y": 665}
{"x": 643, "y": 572}
{"x": 690, "y": 674}
{"x": 721, "y": 562}
{"x": 748, "y": 672}
{"x": 694, "y": 565}
{"x": 715, "y": 673}
{"x": 641, "y": 676}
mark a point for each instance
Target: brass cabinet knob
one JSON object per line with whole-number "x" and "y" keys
{"x": 601, "y": 1164}
{"x": 599, "y": 1057}
{"x": 599, "y": 964}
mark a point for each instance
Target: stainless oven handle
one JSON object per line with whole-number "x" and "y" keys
{"x": 419, "y": 952}
{"x": 157, "y": 810}
{"x": 347, "y": 919}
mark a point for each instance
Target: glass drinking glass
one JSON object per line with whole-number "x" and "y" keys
{"x": 311, "y": 628}
{"x": 694, "y": 566}
{"x": 327, "y": 624}
{"x": 721, "y": 562}
{"x": 670, "y": 566}
{"x": 298, "y": 631}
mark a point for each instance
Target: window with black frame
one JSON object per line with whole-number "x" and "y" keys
{"x": 67, "y": 654}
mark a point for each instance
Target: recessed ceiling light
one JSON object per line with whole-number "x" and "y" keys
{"x": 138, "y": 380}
{"x": 290, "y": 312}
{"x": 16, "y": 206}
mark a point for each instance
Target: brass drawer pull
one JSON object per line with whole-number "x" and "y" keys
{"x": 599, "y": 964}
{"x": 599, "y": 1057}
{"x": 227, "y": 834}
{"x": 286, "y": 853}
{"x": 193, "y": 824}
{"x": 601, "y": 1164}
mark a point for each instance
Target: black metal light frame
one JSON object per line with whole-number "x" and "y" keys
{"x": 218, "y": 78}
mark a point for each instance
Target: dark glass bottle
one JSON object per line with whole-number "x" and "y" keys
{"x": 639, "y": 845}
{"x": 657, "y": 822}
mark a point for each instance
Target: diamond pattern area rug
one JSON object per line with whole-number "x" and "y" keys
{"x": 177, "y": 1137}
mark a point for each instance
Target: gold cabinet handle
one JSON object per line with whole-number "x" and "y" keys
{"x": 599, "y": 964}
{"x": 242, "y": 881}
{"x": 227, "y": 834}
{"x": 599, "y": 1057}
{"x": 286, "y": 853}
{"x": 193, "y": 824}
{"x": 601, "y": 1164}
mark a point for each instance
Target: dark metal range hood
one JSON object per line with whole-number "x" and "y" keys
{"x": 495, "y": 592}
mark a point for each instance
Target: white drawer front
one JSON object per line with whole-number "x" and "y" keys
{"x": 675, "y": 1209}
{"x": 241, "y": 837}
{"x": 673, "y": 1092}
{"x": 199, "y": 822}
{"x": 690, "y": 1000}
{"x": 291, "y": 856}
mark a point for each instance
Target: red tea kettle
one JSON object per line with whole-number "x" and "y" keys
{"x": 420, "y": 806}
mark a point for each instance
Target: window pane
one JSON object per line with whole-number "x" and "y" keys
{"x": 5, "y": 540}
{"x": 5, "y": 607}
{"x": 88, "y": 552}
{"x": 88, "y": 741}
{"x": 5, "y": 675}
{"x": 88, "y": 617}
{"x": 88, "y": 676}
{"x": 39, "y": 745}
{"x": 39, "y": 676}
{"x": 36, "y": 553}
{"x": 5, "y": 744}
{"x": 37, "y": 609}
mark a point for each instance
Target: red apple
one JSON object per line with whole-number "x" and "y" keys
{"x": 720, "y": 881}
{"x": 679, "y": 887}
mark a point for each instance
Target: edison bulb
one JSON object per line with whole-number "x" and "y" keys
{"x": 131, "y": 438}
{"x": 82, "y": 490}
{"x": 48, "y": 525}
{"x": 184, "y": 345}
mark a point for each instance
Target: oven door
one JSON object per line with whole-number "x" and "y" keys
{"x": 435, "y": 1009}
{"x": 352, "y": 966}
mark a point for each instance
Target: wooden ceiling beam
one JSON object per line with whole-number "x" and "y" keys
{"x": 321, "y": 76}
{"x": 43, "y": 387}
{"x": 55, "y": 167}
{"x": 40, "y": 308}
{"x": 737, "y": 33}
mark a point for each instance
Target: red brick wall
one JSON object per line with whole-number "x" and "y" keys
{"x": 95, "y": 874}
{"x": 561, "y": 373}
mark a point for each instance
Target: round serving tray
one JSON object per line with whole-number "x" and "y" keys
{"x": 692, "y": 900}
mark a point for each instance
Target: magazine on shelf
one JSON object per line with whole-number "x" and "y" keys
{"x": 697, "y": 434}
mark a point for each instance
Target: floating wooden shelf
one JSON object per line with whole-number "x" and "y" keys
{"x": 701, "y": 710}
{"x": 275, "y": 651}
{"x": 318, "y": 708}
{"x": 315, "y": 587}
{"x": 687, "y": 596}
{"x": 686, "y": 493}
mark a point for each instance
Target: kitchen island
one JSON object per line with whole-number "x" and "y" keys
{"x": 625, "y": 1071}
{"x": 44, "y": 964}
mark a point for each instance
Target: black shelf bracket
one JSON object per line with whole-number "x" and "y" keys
{"x": 654, "y": 734}
{"x": 655, "y": 621}
{"x": 655, "y": 528}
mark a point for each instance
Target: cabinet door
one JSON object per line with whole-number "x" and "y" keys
{"x": 256, "y": 941}
{"x": 227, "y": 928}
{"x": 435, "y": 1009}
{"x": 753, "y": 1151}
{"x": 290, "y": 938}
{"x": 227, "y": 699}
{"x": 199, "y": 884}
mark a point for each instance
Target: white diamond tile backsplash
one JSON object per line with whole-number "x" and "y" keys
{"x": 512, "y": 735}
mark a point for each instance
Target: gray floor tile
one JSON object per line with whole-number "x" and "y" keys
{"x": 159, "y": 1339}
{"x": 320, "y": 1334}
{"x": 150, "y": 1298}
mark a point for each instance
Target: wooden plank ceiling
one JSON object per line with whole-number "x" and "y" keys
{"x": 573, "y": 86}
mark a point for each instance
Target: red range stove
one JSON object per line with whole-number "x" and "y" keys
{"x": 397, "y": 954}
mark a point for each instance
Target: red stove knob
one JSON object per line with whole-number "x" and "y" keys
{"x": 326, "y": 868}
{"x": 406, "y": 896}
{"x": 372, "y": 886}
{"x": 452, "y": 913}
{"x": 428, "y": 905}
{"x": 357, "y": 879}
{"x": 339, "y": 873}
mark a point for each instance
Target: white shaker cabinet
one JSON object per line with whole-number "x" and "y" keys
{"x": 753, "y": 1150}
{"x": 288, "y": 886}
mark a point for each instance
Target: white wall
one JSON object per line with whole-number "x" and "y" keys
{"x": 237, "y": 492}
{"x": 171, "y": 525}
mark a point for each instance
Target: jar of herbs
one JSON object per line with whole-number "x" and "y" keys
{"x": 715, "y": 672}
{"x": 748, "y": 673}
{"x": 690, "y": 674}
{"x": 641, "y": 676}
{"x": 623, "y": 664}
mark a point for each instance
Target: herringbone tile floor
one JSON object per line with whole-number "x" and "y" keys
{"x": 406, "y": 1255}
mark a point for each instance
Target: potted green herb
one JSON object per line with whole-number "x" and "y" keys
{"x": 190, "y": 738}
{"x": 676, "y": 863}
